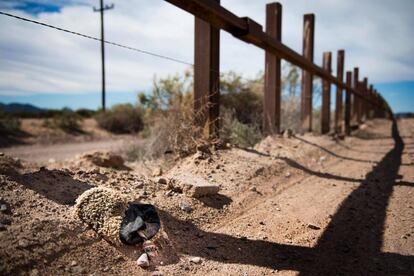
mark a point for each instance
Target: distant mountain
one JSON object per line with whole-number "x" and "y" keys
{"x": 18, "y": 108}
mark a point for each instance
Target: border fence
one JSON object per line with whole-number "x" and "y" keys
{"x": 362, "y": 102}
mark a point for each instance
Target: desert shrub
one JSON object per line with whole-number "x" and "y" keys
{"x": 67, "y": 120}
{"x": 121, "y": 118}
{"x": 243, "y": 96}
{"x": 169, "y": 117}
{"x": 85, "y": 113}
{"x": 9, "y": 124}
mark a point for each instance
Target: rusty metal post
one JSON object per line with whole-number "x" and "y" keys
{"x": 355, "y": 99}
{"x": 339, "y": 98}
{"x": 348, "y": 104}
{"x": 273, "y": 84}
{"x": 307, "y": 78}
{"x": 326, "y": 95}
{"x": 207, "y": 77}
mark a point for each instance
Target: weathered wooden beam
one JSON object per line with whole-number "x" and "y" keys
{"x": 207, "y": 77}
{"x": 339, "y": 98}
{"x": 348, "y": 104}
{"x": 273, "y": 83}
{"x": 326, "y": 95}
{"x": 307, "y": 78}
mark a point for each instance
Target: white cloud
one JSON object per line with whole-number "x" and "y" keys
{"x": 376, "y": 35}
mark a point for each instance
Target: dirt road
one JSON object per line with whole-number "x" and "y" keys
{"x": 61, "y": 151}
{"x": 306, "y": 205}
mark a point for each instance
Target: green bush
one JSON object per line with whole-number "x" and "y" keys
{"x": 120, "y": 119}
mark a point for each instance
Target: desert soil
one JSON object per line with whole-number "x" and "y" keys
{"x": 308, "y": 205}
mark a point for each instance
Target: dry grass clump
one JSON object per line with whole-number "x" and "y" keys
{"x": 170, "y": 118}
{"x": 102, "y": 209}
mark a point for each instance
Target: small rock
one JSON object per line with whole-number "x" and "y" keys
{"x": 73, "y": 263}
{"x": 322, "y": 158}
{"x": 313, "y": 226}
{"x": 185, "y": 207}
{"x": 195, "y": 260}
{"x": 23, "y": 243}
{"x": 288, "y": 174}
{"x": 34, "y": 272}
{"x": 169, "y": 193}
{"x": 253, "y": 189}
{"x": 157, "y": 273}
{"x": 143, "y": 260}
{"x": 3, "y": 207}
{"x": 196, "y": 186}
{"x": 157, "y": 171}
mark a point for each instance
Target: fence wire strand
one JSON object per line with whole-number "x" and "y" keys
{"x": 98, "y": 39}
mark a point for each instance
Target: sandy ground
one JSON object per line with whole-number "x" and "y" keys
{"x": 307, "y": 205}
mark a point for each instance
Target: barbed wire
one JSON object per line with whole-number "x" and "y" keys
{"x": 97, "y": 39}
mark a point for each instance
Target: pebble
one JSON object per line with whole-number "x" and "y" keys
{"x": 157, "y": 171}
{"x": 34, "y": 272}
{"x": 313, "y": 226}
{"x": 157, "y": 273}
{"x": 196, "y": 260}
{"x": 253, "y": 189}
{"x": 3, "y": 207}
{"x": 73, "y": 263}
{"x": 185, "y": 207}
{"x": 143, "y": 260}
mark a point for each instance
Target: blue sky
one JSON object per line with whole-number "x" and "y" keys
{"x": 52, "y": 69}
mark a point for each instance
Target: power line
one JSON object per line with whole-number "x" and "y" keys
{"x": 98, "y": 39}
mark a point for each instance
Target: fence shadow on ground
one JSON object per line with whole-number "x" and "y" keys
{"x": 351, "y": 244}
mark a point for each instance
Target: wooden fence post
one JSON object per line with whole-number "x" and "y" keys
{"x": 207, "y": 77}
{"x": 355, "y": 99}
{"x": 348, "y": 104}
{"x": 364, "y": 91}
{"x": 371, "y": 106}
{"x": 326, "y": 95}
{"x": 339, "y": 98}
{"x": 307, "y": 78}
{"x": 273, "y": 84}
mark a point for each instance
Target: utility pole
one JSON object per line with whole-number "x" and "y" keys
{"x": 101, "y": 10}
